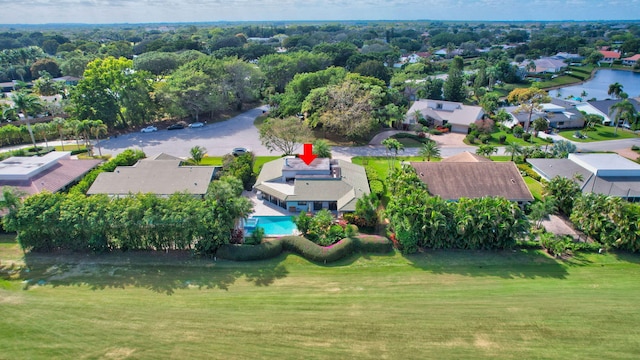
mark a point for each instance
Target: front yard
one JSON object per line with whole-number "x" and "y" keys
{"x": 600, "y": 133}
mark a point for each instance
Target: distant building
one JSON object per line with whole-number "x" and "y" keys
{"x": 603, "y": 108}
{"x": 609, "y": 56}
{"x": 632, "y": 60}
{"x": 607, "y": 174}
{"x": 442, "y": 112}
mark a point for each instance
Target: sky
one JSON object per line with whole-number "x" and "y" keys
{"x": 153, "y": 11}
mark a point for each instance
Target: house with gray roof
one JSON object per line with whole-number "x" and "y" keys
{"x": 470, "y": 176}
{"x": 162, "y": 175}
{"x": 603, "y": 108}
{"x": 293, "y": 185}
{"x": 558, "y": 113}
{"x": 607, "y": 174}
{"x": 441, "y": 113}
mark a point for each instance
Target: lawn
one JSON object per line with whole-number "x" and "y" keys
{"x": 438, "y": 305}
{"x": 381, "y": 163}
{"x": 217, "y": 161}
{"x": 601, "y": 133}
{"x": 535, "y": 187}
{"x": 495, "y": 140}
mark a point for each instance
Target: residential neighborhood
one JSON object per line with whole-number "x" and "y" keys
{"x": 259, "y": 187}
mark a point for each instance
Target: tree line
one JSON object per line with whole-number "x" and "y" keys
{"x": 97, "y": 223}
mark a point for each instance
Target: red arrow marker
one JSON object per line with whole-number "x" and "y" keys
{"x": 307, "y": 155}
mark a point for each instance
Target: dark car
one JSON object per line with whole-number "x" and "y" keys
{"x": 177, "y": 126}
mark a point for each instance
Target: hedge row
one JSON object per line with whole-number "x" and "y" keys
{"x": 529, "y": 171}
{"x": 305, "y": 248}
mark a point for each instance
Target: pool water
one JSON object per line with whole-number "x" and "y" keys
{"x": 272, "y": 225}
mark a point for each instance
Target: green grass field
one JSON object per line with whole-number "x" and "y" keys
{"x": 434, "y": 305}
{"x": 535, "y": 187}
{"x": 600, "y": 133}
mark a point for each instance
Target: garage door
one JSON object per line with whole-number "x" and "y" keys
{"x": 459, "y": 129}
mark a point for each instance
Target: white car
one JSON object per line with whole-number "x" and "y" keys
{"x": 196, "y": 125}
{"x": 149, "y": 129}
{"x": 239, "y": 151}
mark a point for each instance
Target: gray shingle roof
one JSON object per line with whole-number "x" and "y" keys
{"x": 160, "y": 177}
{"x": 345, "y": 189}
{"x": 454, "y": 180}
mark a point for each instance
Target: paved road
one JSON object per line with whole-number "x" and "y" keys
{"x": 219, "y": 138}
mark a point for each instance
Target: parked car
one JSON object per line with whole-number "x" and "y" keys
{"x": 176, "y": 126}
{"x": 239, "y": 151}
{"x": 196, "y": 125}
{"x": 149, "y": 129}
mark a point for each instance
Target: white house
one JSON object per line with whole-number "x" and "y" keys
{"x": 442, "y": 112}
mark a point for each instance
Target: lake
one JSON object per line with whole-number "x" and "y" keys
{"x": 598, "y": 86}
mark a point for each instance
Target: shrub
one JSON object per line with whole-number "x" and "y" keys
{"x": 518, "y": 131}
{"x": 485, "y": 138}
{"x": 471, "y": 139}
{"x": 305, "y": 248}
{"x": 526, "y": 137}
{"x": 529, "y": 171}
{"x": 502, "y": 139}
{"x": 377, "y": 187}
{"x": 79, "y": 151}
{"x": 256, "y": 237}
{"x": 435, "y": 132}
{"x": 266, "y": 250}
{"x": 635, "y": 148}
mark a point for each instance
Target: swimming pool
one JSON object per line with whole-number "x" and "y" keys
{"x": 272, "y": 225}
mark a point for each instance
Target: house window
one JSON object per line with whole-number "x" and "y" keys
{"x": 317, "y": 205}
{"x": 302, "y": 203}
{"x": 439, "y": 106}
{"x": 560, "y": 123}
{"x": 333, "y": 205}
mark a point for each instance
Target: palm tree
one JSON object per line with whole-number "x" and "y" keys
{"x": 429, "y": 150}
{"x": 514, "y": 149}
{"x": 322, "y": 149}
{"x": 98, "y": 128}
{"x": 27, "y": 104}
{"x": 486, "y": 150}
{"x": 74, "y": 126}
{"x": 197, "y": 153}
{"x": 42, "y": 129}
{"x": 615, "y": 89}
{"x": 60, "y": 126}
{"x": 624, "y": 110}
{"x": 393, "y": 147}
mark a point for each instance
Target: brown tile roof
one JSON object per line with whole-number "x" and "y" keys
{"x": 454, "y": 180}
{"x": 54, "y": 179}
{"x": 466, "y": 157}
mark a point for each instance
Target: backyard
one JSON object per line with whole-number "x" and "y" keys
{"x": 518, "y": 304}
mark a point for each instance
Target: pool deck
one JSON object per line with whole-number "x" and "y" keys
{"x": 264, "y": 208}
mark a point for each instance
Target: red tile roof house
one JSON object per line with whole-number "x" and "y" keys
{"x": 52, "y": 172}
{"x": 609, "y": 56}
{"x": 471, "y": 176}
{"x": 632, "y": 60}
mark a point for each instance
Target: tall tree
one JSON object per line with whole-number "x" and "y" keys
{"x": 28, "y": 104}
{"x": 529, "y": 100}
{"x": 113, "y": 92}
{"x": 454, "y": 88}
{"x": 393, "y": 147}
{"x": 624, "y": 110}
{"x": 98, "y": 128}
{"x": 615, "y": 90}
{"x": 284, "y": 135}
